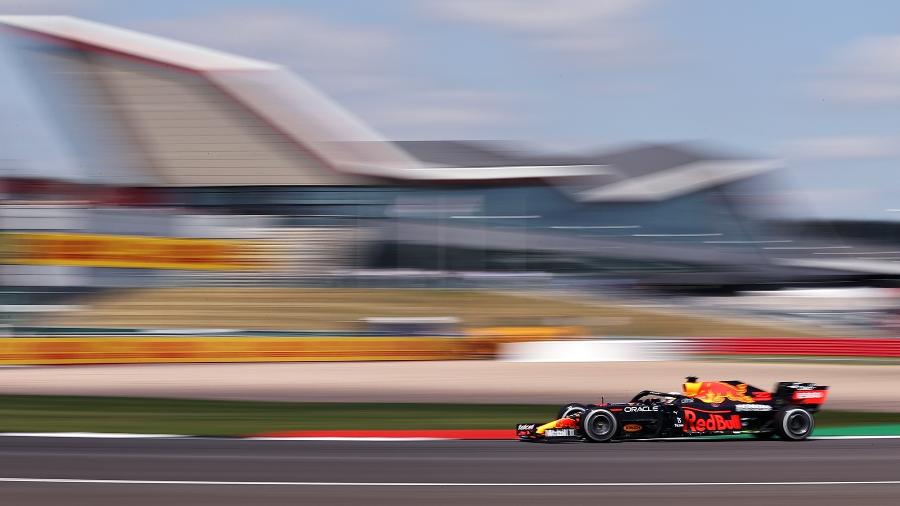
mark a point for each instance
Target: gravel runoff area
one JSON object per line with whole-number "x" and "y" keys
{"x": 853, "y": 387}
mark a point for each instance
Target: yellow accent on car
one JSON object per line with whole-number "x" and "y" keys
{"x": 551, "y": 425}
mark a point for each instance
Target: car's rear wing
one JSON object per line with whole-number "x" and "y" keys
{"x": 809, "y": 395}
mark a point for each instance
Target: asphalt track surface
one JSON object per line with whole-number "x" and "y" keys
{"x": 242, "y": 472}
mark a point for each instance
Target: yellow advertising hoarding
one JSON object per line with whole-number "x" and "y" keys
{"x": 125, "y": 350}
{"x": 96, "y": 250}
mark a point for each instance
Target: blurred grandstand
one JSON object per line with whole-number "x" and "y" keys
{"x": 175, "y": 142}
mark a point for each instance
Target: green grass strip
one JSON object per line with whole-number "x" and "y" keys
{"x": 234, "y": 418}
{"x": 891, "y": 429}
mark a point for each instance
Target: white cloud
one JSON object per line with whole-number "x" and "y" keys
{"x": 45, "y": 6}
{"x": 866, "y": 71}
{"x": 860, "y": 91}
{"x": 842, "y": 148}
{"x": 873, "y": 56}
{"x": 608, "y": 28}
{"x": 535, "y": 15}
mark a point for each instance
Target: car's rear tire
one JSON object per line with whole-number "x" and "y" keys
{"x": 794, "y": 424}
{"x": 599, "y": 425}
{"x": 571, "y": 409}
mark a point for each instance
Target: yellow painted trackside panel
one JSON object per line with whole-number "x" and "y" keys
{"x": 523, "y": 334}
{"x": 126, "y": 350}
{"x": 99, "y": 250}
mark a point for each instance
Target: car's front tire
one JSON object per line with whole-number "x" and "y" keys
{"x": 794, "y": 424}
{"x": 599, "y": 425}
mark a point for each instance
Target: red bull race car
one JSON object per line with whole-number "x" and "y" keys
{"x": 702, "y": 408}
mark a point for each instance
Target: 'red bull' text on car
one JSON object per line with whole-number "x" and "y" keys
{"x": 702, "y": 408}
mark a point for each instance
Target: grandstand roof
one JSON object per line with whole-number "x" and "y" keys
{"x": 636, "y": 173}
{"x": 128, "y": 42}
{"x": 138, "y": 109}
{"x": 258, "y": 123}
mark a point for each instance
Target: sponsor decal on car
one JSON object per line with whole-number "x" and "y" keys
{"x": 752, "y": 407}
{"x": 559, "y": 432}
{"x": 702, "y": 421}
{"x": 636, "y": 409}
{"x": 632, "y": 427}
{"x": 525, "y": 426}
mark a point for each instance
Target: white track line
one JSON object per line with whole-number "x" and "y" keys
{"x": 115, "y": 435}
{"x": 510, "y": 440}
{"x": 687, "y": 439}
{"x": 438, "y": 484}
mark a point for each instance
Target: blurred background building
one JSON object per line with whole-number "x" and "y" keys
{"x": 173, "y": 142}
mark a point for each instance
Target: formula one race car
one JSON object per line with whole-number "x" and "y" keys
{"x": 702, "y": 408}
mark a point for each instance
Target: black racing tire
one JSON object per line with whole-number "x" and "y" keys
{"x": 570, "y": 409}
{"x": 599, "y": 425}
{"x": 794, "y": 423}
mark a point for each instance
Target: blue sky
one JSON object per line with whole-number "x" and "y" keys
{"x": 814, "y": 82}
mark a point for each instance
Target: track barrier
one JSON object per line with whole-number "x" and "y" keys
{"x": 165, "y": 349}
{"x": 125, "y": 349}
{"x": 790, "y": 346}
{"x": 592, "y": 350}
